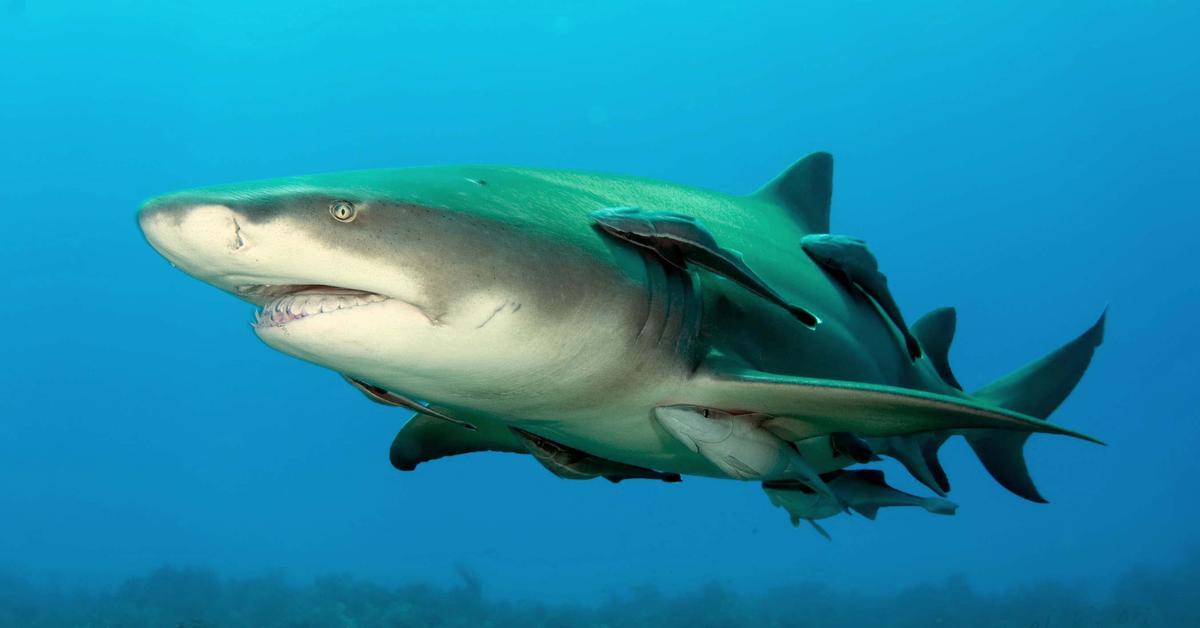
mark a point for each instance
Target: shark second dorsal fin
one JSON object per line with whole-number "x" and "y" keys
{"x": 935, "y": 332}
{"x": 805, "y": 189}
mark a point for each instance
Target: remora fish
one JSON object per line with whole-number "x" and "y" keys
{"x": 570, "y": 306}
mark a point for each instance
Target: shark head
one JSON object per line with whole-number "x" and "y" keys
{"x": 411, "y": 280}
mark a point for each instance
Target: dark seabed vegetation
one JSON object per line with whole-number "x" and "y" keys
{"x": 195, "y": 597}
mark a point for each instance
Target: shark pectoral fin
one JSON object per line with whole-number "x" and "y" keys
{"x": 805, "y": 407}
{"x": 935, "y": 331}
{"x": 680, "y": 239}
{"x": 850, "y": 258}
{"x": 572, "y": 464}
{"x": 425, "y": 438}
{"x": 388, "y": 398}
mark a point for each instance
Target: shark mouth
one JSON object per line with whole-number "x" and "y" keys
{"x": 280, "y": 305}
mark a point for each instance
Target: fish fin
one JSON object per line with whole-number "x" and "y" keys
{"x": 935, "y": 332}
{"x": 870, "y": 511}
{"x": 929, "y": 453}
{"x": 918, "y": 454}
{"x": 806, "y": 407}
{"x": 939, "y": 506}
{"x": 820, "y": 529}
{"x": 852, "y": 446}
{"x": 1036, "y": 389}
{"x": 805, "y": 189}
{"x": 425, "y": 438}
{"x": 870, "y": 476}
{"x": 1003, "y": 455}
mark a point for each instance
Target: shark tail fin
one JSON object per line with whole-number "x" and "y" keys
{"x": 805, "y": 189}
{"x": 1036, "y": 389}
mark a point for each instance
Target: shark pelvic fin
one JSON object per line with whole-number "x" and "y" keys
{"x": 805, "y": 189}
{"x": 935, "y": 332}
{"x": 1036, "y": 389}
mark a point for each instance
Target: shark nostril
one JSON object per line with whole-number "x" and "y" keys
{"x": 238, "y": 241}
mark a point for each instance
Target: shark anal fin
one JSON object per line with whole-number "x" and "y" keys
{"x": 851, "y": 260}
{"x": 918, "y": 454}
{"x": 425, "y": 438}
{"x": 682, "y": 240}
{"x": 935, "y": 331}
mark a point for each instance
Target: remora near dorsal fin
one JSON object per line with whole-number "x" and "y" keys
{"x": 1036, "y": 389}
{"x": 935, "y": 332}
{"x": 806, "y": 189}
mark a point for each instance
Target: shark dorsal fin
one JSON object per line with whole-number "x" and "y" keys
{"x": 935, "y": 332}
{"x": 805, "y": 189}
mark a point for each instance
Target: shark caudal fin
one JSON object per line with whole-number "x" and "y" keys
{"x": 805, "y": 189}
{"x": 1036, "y": 390}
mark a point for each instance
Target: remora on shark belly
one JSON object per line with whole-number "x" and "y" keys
{"x": 629, "y": 327}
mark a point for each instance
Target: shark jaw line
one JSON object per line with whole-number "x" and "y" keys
{"x": 281, "y": 305}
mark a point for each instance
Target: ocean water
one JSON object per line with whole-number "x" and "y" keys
{"x": 1030, "y": 163}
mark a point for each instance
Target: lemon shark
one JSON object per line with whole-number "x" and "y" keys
{"x": 614, "y": 326}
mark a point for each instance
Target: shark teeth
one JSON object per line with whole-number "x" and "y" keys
{"x": 295, "y": 306}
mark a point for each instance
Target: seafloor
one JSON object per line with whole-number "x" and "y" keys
{"x": 196, "y": 598}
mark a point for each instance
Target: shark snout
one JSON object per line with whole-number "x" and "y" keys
{"x": 192, "y": 235}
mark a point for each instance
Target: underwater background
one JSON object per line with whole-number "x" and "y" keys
{"x": 1030, "y": 163}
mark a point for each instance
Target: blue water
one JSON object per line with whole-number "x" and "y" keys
{"x": 1027, "y": 162}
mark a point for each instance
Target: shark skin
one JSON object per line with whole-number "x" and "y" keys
{"x": 489, "y": 293}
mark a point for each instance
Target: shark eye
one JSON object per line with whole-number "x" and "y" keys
{"x": 342, "y": 211}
